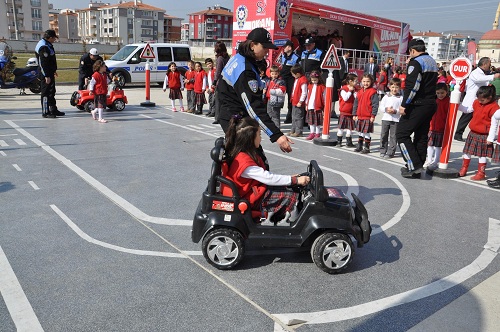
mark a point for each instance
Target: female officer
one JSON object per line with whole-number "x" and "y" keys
{"x": 240, "y": 90}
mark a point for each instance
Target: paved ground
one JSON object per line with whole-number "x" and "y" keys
{"x": 95, "y": 234}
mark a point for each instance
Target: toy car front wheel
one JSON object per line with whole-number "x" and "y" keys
{"x": 120, "y": 78}
{"x": 89, "y": 106}
{"x": 223, "y": 248}
{"x": 332, "y": 252}
{"x": 119, "y": 105}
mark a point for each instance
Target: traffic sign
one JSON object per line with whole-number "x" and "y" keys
{"x": 147, "y": 52}
{"x": 460, "y": 68}
{"x": 331, "y": 60}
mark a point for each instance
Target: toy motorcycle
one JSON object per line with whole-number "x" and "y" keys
{"x": 328, "y": 222}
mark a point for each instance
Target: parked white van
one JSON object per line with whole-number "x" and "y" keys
{"x": 127, "y": 66}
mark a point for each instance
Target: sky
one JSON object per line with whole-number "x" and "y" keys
{"x": 422, "y": 15}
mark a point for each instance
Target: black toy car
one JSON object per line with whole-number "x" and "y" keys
{"x": 328, "y": 222}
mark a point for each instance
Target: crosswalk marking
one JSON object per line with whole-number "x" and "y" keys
{"x": 19, "y": 141}
{"x": 3, "y": 143}
{"x": 194, "y": 127}
{"x": 16, "y": 166}
{"x": 3, "y": 153}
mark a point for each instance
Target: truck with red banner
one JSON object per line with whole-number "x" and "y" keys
{"x": 363, "y": 34}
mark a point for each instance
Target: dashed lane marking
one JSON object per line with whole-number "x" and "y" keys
{"x": 16, "y": 166}
{"x": 33, "y": 185}
{"x": 3, "y": 143}
{"x": 19, "y": 141}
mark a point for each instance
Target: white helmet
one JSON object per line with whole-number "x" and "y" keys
{"x": 93, "y": 51}
{"x": 32, "y": 62}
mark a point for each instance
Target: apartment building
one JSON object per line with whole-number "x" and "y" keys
{"x": 23, "y": 19}
{"x": 443, "y": 46}
{"x": 88, "y": 22}
{"x": 171, "y": 29}
{"x": 65, "y": 24}
{"x": 211, "y": 24}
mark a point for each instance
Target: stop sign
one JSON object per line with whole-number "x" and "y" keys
{"x": 460, "y": 68}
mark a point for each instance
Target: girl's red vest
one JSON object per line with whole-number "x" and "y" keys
{"x": 101, "y": 83}
{"x": 298, "y": 89}
{"x": 364, "y": 110}
{"x": 198, "y": 81}
{"x": 249, "y": 189}
{"x": 345, "y": 107}
{"x": 174, "y": 79}
{"x": 319, "y": 102}
{"x": 438, "y": 120}
{"x": 481, "y": 117}
{"x": 190, "y": 75}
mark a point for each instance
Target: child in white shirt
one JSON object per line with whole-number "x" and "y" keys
{"x": 389, "y": 106}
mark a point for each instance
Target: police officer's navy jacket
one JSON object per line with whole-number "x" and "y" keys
{"x": 421, "y": 80}
{"x": 287, "y": 61}
{"x": 311, "y": 60}
{"x": 86, "y": 65}
{"x": 240, "y": 92}
{"x": 46, "y": 56}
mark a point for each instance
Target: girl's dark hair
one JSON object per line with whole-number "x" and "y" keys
{"x": 97, "y": 65}
{"x": 198, "y": 63}
{"x": 369, "y": 76}
{"x": 240, "y": 137}
{"x": 488, "y": 91}
{"x": 316, "y": 74}
{"x": 244, "y": 48}
{"x": 220, "y": 48}
{"x": 296, "y": 69}
{"x": 170, "y": 64}
{"x": 209, "y": 60}
{"x": 349, "y": 77}
{"x": 442, "y": 86}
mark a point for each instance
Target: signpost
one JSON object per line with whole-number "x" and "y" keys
{"x": 330, "y": 62}
{"x": 148, "y": 53}
{"x": 460, "y": 69}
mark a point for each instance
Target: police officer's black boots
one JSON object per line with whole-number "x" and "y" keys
{"x": 339, "y": 141}
{"x": 359, "y": 147}
{"x": 349, "y": 142}
{"x": 367, "y": 146}
{"x": 494, "y": 183}
{"x": 55, "y": 111}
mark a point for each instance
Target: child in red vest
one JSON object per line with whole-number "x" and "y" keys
{"x": 99, "y": 87}
{"x": 364, "y": 110}
{"x": 347, "y": 95}
{"x": 210, "y": 86}
{"x": 495, "y": 119}
{"x": 189, "y": 85}
{"x": 436, "y": 130}
{"x": 175, "y": 83}
{"x": 275, "y": 95}
{"x": 315, "y": 103}
{"x": 264, "y": 190}
{"x": 200, "y": 85}
{"x": 476, "y": 143}
{"x": 382, "y": 83}
{"x": 299, "y": 95}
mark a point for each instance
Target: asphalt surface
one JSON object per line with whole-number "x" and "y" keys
{"x": 95, "y": 233}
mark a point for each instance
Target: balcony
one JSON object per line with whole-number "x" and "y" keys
{"x": 17, "y": 3}
{"x": 209, "y": 29}
{"x": 209, "y": 20}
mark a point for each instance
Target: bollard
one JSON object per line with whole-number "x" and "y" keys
{"x": 325, "y": 136}
{"x": 148, "y": 103}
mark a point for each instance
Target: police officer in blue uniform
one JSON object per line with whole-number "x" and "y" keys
{"x": 288, "y": 60}
{"x": 312, "y": 57}
{"x": 240, "y": 89}
{"x": 46, "y": 56}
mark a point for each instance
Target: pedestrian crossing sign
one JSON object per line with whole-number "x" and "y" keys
{"x": 147, "y": 52}
{"x": 331, "y": 60}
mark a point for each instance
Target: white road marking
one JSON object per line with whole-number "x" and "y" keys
{"x": 15, "y": 299}
{"x": 194, "y": 127}
{"x": 438, "y": 286}
{"x": 402, "y": 210}
{"x": 331, "y": 157}
{"x": 16, "y": 166}
{"x": 90, "y": 239}
{"x": 3, "y": 143}
{"x": 33, "y": 184}
{"x": 4, "y": 135}
{"x": 211, "y": 126}
{"x": 19, "y": 141}
{"x": 3, "y": 153}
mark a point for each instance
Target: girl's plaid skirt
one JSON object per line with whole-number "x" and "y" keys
{"x": 496, "y": 154}
{"x": 315, "y": 117}
{"x": 100, "y": 101}
{"x": 364, "y": 126}
{"x": 279, "y": 200}
{"x": 346, "y": 122}
{"x": 200, "y": 99}
{"x": 175, "y": 94}
{"x": 475, "y": 145}
{"x": 435, "y": 139}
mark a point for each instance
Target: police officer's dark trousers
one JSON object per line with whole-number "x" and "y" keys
{"x": 48, "y": 92}
{"x": 417, "y": 121}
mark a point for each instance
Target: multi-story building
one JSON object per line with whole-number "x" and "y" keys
{"x": 23, "y": 19}
{"x": 443, "y": 46}
{"x": 184, "y": 32}
{"x": 171, "y": 29}
{"x": 88, "y": 22}
{"x": 65, "y": 24}
{"x": 210, "y": 25}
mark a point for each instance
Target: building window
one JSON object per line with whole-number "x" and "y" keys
{"x": 110, "y": 30}
{"x": 36, "y": 36}
{"x": 36, "y": 3}
{"x": 36, "y": 13}
{"x": 105, "y": 21}
{"x": 110, "y": 20}
{"x": 37, "y": 25}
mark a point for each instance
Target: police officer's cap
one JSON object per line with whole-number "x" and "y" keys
{"x": 262, "y": 36}
{"x": 50, "y": 33}
{"x": 309, "y": 41}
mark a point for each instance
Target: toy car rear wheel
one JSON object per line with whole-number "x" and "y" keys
{"x": 223, "y": 248}
{"x": 120, "y": 78}
{"x": 89, "y": 106}
{"x": 119, "y": 105}
{"x": 332, "y": 252}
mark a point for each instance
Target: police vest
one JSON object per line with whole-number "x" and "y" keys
{"x": 235, "y": 67}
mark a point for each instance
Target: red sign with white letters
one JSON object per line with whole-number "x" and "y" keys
{"x": 460, "y": 68}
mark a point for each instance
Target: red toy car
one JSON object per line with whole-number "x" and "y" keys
{"x": 115, "y": 99}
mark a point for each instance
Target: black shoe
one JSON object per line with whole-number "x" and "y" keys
{"x": 48, "y": 115}
{"x": 458, "y": 138}
{"x": 411, "y": 174}
{"x": 59, "y": 113}
{"x": 216, "y": 122}
{"x": 198, "y": 113}
{"x": 494, "y": 184}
